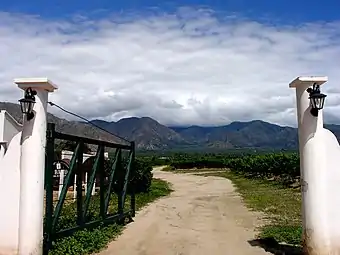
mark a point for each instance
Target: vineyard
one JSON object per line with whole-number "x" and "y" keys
{"x": 283, "y": 167}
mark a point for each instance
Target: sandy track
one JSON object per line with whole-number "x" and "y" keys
{"x": 203, "y": 215}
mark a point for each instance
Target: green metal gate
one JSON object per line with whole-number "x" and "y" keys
{"x": 64, "y": 216}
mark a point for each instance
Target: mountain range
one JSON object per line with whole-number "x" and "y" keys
{"x": 149, "y": 134}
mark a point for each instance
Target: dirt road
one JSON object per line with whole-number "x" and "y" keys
{"x": 203, "y": 215}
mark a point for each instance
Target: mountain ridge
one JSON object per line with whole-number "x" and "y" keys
{"x": 149, "y": 134}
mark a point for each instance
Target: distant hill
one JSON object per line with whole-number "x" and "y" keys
{"x": 146, "y": 132}
{"x": 253, "y": 134}
{"x": 151, "y": 135}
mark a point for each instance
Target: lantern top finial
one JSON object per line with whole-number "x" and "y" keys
{"x": 308, "y": 81}
{"x": 36, "y": 84}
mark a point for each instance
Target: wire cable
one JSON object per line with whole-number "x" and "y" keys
{"x": 88, "y": 121}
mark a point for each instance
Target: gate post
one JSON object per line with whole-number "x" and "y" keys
{"x": 133, "y": 172}
{"x": 32, "y": 168}
{"x": 49, "y": 187}
{"x": 320, "y": 175}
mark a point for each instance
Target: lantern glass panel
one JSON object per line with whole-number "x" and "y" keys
{"x": 58, "y": 166}
{"x": 26, "y": 105}
{"x": 318, "y": 101}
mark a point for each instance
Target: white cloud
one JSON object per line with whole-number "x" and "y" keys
{"x": 192, "y": 67}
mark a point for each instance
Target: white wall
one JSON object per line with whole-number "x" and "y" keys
{"x": 9, "y": 127}
{"x": 10, "y": 138}
{"x": 9, "y": 197}
{"x": 332, "y": 169}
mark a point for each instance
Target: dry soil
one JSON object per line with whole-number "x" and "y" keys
{"x": 204, "y": 215}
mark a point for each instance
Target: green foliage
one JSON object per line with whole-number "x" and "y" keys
{"x": 162, "y": 158}
{"x": 284, "y": 167}
{"x": 89, "y": 241}
{"x": 86, "y": 241}
{"x": 290, "y": 234}
{"x": 68, "y": 217}
{"x": 141, "y": 178}
{"x": 156, "y": 160}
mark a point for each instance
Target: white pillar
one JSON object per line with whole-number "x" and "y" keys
{"x": 312, "y": 167}
{"x": 85, "y": 182}
{"x": 75, "y": 187}
{"x": 94, "y": 188}
{"x": 2, "y": 148}
{"x": 32, "y": 169}
{"x": 61, "y": 181}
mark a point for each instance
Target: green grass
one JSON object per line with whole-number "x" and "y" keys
{"x": 91, "y": 241}
{"x": 281, "y": 205}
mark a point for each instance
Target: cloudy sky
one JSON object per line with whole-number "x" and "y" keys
{"x": 181, "y": 64}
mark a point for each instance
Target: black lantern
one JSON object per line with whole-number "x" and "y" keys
{"x": 27, "y": 103}
{"x": 317, "y": 99}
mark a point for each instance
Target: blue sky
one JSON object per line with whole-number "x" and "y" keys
{"x": 284, "y": 10}
{"x": 188, "y": 62}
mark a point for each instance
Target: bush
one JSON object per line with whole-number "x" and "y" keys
{"x": 283, "y": 167}
{"x": 139, "y": 180}
{"x": 141, "y": 177}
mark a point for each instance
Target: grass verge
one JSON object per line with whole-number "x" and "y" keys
{"x": 91, "y": 241}
{"x": 280, "y": 204}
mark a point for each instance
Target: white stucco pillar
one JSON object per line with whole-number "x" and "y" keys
{"x": 75, "y": 187}
{"x": 313, "y": 170}
{"x": 85, "y": 183}
{"x": 2, "y": 149}
{"x": 32, "y": 168}
{"x": 61, "y": 182}
{"x": 94, "y": 188}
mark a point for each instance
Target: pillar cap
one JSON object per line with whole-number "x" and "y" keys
{"x": 303, "y": 81}
{"x": 36, "y": 83}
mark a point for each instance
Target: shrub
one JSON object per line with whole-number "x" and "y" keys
{"x": 283, "y": 167}
{"x": 141, "y": 178}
